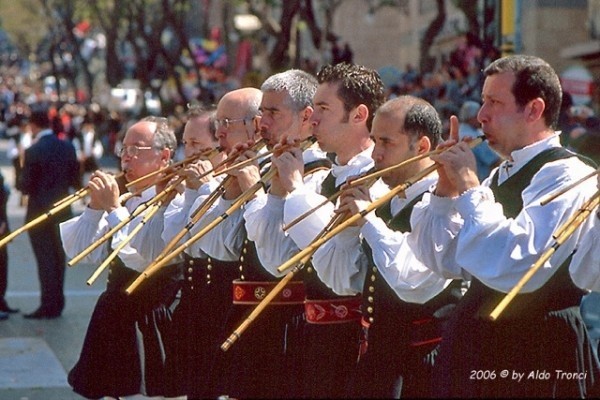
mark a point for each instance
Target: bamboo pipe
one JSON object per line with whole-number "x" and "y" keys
{"x": 79, "y": 194}
{"x": 372, "y": 206}
{"x": 328, "y": 200}
{"x": 258, "y": 145}
{"x": 234, "y": 207}
{"x": 141, "y": 208}
{"x": 58, "y": 206}
{"x": 564, "y": 190}
{"x": 235, "y": 335}
{"x": 37, "y": 220}
{"x": 207, "y": 153}
{"x": 566, "y": 230}
{"x": 152, "y": 210}
{"x": 195, "y": 217}
{"x": 311, "y": 139}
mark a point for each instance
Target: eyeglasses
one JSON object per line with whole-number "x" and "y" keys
{"x": 132, "y": 150}
{"x": 226, "y": 122}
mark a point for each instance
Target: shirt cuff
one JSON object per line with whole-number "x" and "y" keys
{"x": 440, "y": 206}
{"x": 469, "y": 201}
{"x": 371, "y": 231}
{"x": 189, "y": 197}
{"x": 116, "y": 216}
{"x": 91, "y": 215}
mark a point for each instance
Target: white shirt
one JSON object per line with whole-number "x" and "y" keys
{"x": 80, "y": 232}
{"x": 470, "y": 236}
{"x": 177, "y": 212}
{"x": 303, "y": 199}
{"x": 585, "y": 266}
{"x": 265, "y": 220}
{"x": 342, "y": 264}
{"x": 225, "y": 240}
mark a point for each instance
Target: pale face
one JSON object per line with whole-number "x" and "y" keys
{"x": 240, "y": 130}
{"x": 147, "y": 160}
{"x": 393, "y": 146}
{"x": 501, "y": 119}
{"x": 278, "y": 119}
{"x": 197, "y": 137}
{"x": 329, "y": 118}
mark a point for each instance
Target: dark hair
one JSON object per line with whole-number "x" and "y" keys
{"x": 197, "y": 111}
{"x": 534, "y": 78}
{"x": 421, "y": 118}
{"x": 39, "y": 117}
{"x": 358, "y": 85}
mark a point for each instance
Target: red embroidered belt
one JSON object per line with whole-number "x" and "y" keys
{"x": 332, "y": 311}
{"x": 252, "y": 292}
{"x": 425, "y": 332}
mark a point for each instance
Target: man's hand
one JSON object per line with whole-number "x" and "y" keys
{"x": 197, "y": 174}
{"x": 287, "y": 158}
{"x": 104, "y": 191}
{"x": 245, "y": 176}
{"x": 458, "y": 168}
{"x": 353, "y": 200}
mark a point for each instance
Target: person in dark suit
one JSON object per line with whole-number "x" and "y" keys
{"x": 5, "y": 310}
{"x": 50, "y": 169}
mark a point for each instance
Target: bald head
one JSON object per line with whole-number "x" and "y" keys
{"x": 419, "y": 117}
{"x": 237, "y": 117}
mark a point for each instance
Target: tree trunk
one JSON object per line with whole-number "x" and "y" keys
{"x": 427, "y": 63}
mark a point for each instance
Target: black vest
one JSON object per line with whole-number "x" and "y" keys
{"x": 249, "y": 268}
{"x": 381, "y": 306}
{"x": 315, "y": 288}
{"x": 558, "y": 293}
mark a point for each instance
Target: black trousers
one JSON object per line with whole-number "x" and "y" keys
{"x": 3, "y": 272}
{"x": 50, "y": 257}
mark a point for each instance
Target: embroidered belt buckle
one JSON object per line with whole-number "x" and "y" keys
{"x": 332, "y": 311}
{"x": 253, "y": 292}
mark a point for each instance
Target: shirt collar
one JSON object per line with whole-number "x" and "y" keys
{"x": 357, "y": 162}
{"x": 45, "y": 132}
{"x": 522, "y": 156}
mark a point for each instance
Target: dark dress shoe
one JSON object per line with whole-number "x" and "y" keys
{"x": 5, "y": 308}
{"x": 3, "y": 315}
{"x": 41, "y": 314}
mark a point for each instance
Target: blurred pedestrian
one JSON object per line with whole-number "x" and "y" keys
{"x": 485, "y": 157}
{"x": 5, "y": 310}
{"x": 50, "y": 169}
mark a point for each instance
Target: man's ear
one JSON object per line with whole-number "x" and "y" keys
{"x": 423, "y": 145}
{"x": 360, "y": 114}
{"x": 534, "y": 110}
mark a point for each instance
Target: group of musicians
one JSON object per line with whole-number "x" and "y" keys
{"x": 319, "y": 241}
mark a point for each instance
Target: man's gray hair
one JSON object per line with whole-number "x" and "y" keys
{"x": 164, "y": 136}
{"x": 300, "y": 85}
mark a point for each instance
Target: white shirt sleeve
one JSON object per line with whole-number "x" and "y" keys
{"x": 264, "y": 224}
{"x": 585, "y": 266}
{"x": 224, "y": 242}
{"x": 407, "y": 276}
{"x": 78, "y": 233}
{"x": 471, "y": 233}
{"x": 341, "y": 264}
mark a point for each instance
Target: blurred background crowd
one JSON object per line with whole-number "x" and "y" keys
{"x": 100, "y": 66}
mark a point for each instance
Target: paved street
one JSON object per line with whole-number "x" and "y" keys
{"x": 35, "y": 355}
